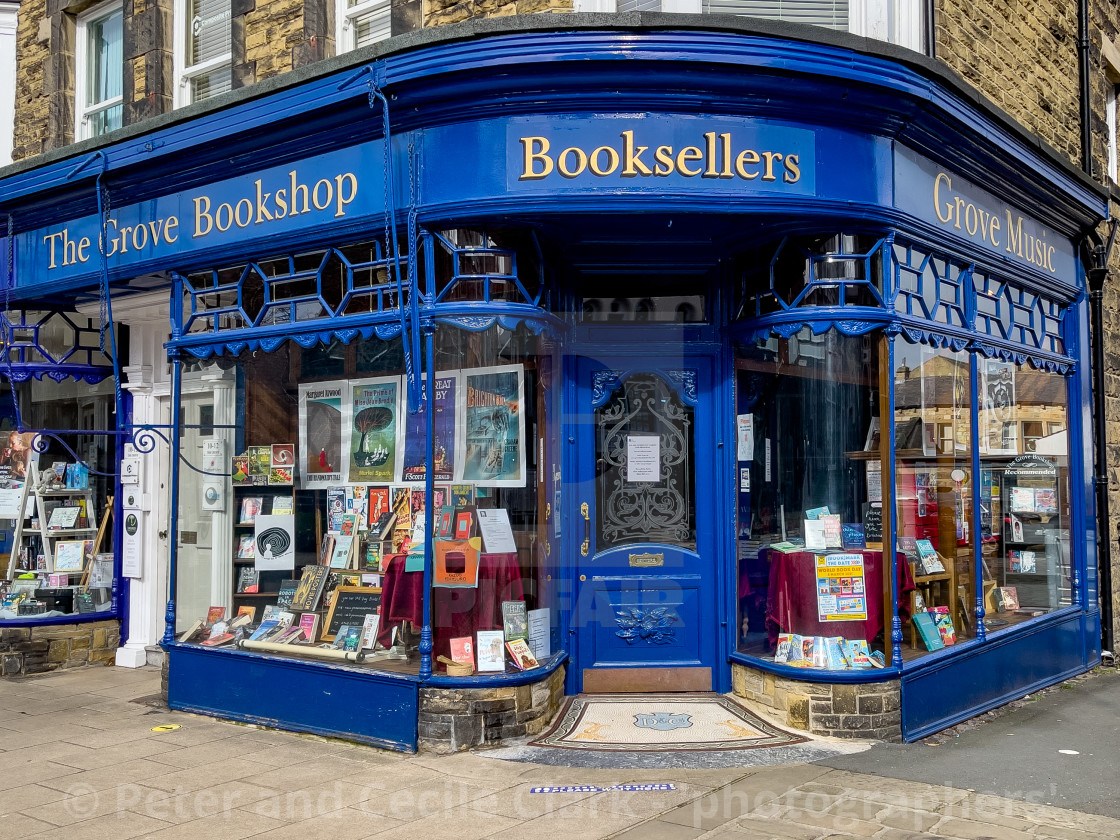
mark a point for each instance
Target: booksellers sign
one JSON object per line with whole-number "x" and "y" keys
{"x": 841, "y": 587}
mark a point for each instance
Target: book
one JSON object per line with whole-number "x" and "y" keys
{"x": 927, "y": 556}
{"x": 944, "y": 623}
{"x": 347, "y": 638}
{"x": 878, "y": 659}
{"x": 282, "y": 505}
{"x": 288, "y": 636}
{"x": 927, "y": 629}
{"x": 781, "y": 652}
{"x": 462, "y": 650}
{"x": 785, "y": 547}
{"x": 490, "y": 650}
{"x": 218, "y": 640}
{"x": 241, "y": 470}
{"x": 857, "y": 653}
{"x": 287, "y": 592}
{"x": 250, "y": 507}
{"x": 1022, "y": 500}
{"x": 310, "y": 588}
{"x": 309, "y": 623}
{"x": 817, "y": 513}
{"x": 247, "y": 610}
{"x": 814, "y": 530}
{"x": 214, "y": 615}
{"x": 383, "y": 527}
{"x": 192, "y": 631}
{"x": 833, "y": 531}
{"x": 851, "y": 535}
{"x": 464, "y": 526}
{"x": 280, "y": 475}
{"x": 446, "y": 522}
{"x": 246, "y": 547}
{"x": 515, "y": 621}
{"x": 1022, "y": 562}
{"x": 1046, "y": 501}
{"x": 1010, "y": 597}
{"x": 266, "y": 629}
{"x": 260, "y": 461}
{"x": 248, "y": 580}
{"x": 349, "y": 524}
{"x": 835, "y": 660}
{"x": 521, "y": 655}
{"x": 54, "y": 581}
{"x": 336, "y": 507}
{"x": 369, "y": 631}
{"x": 343, "y": 548}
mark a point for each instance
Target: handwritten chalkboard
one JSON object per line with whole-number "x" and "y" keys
{"x": 350, "y": 606}
{"x": 873, "y": 522}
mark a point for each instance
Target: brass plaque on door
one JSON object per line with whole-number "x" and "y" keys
{"x": 646, "y": 560}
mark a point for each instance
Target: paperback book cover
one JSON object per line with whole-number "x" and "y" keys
{"x": 490, "y": 650}
{"x": 944, "y": 625}
{"x": 266, "y": 629}
{"x": 927, "y": 556}
{"x": 282, "y": 505}
{"x": 462, "y": 650}
{"x": 248, "y": 580}
{"x": 250, "y": 508}
{"x": 251, "y": 612}
{"x": 521, "y": 655}
{"x": 246, "y": 547}
{"x": 515, "y": 620}
{"x": 927, "y": 629}
{"x": 343, "y": 546}
{"x": 214, "y": 615}
{"x": 369, "y": 630}
{"x": 310, "y": 588}
{"x": 287, "y": 592}
{"x": 857, "y": 653}
{"x": 834, "y": 654}
{"x": 336, "y": 508}
{"x": 1010, "y": 597}
{"x": 309, "y": 624}
{"x": 781, "y": 652}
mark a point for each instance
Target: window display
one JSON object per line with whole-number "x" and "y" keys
{"x": 328, "y": 534}
{"x": 811, "y": 571}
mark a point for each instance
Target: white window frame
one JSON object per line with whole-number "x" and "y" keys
{"x": 184, "y": 74}
{"x": 9, "y": 13}
{"x": 344, "y": 21}
{"x": 894, "y": 21}
{"x": 82, "y": 112}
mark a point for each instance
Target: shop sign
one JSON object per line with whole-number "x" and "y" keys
{"x": 950, "y": 202}
{"x": 328, "y": 188}
{"x": 660, "y": 152}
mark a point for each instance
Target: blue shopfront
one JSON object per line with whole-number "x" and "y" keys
{"x": 694, "y": 354}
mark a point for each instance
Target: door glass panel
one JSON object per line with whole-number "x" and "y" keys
{"x": 645, "y": 479}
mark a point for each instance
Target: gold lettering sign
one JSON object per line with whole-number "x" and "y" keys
{"x": 714, "y": 156}
{"x": 647, "y": 560}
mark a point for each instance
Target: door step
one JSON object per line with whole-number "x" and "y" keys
{"x": 638, "y": 680}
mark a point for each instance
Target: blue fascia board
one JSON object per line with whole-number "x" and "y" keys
{"x": 908, "y": 105}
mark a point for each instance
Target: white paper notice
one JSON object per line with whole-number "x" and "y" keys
{"x": 643, "y": 458}
{"x": 497, "y": 535}
{"x": 744, "y": 436}
{"x": 874, "y": 482}
{"x": 9, "y": 503}
{"x": 540, "y": 641}
{"x": 132, "y": 565}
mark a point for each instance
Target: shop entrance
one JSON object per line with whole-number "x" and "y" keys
{"x": 645, "y": 542}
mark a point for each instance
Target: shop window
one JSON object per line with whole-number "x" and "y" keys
{"x": 810, "y": 498}
{"x": 329, "y": 488}
{"x": 625, "y": 298}
{"x": 98, "y": 68}
{"x": 1024, "y": 492}
{"x": 361, "y": 23}
{"x": 933, "y": 496}
{"x": 203, "y": 50}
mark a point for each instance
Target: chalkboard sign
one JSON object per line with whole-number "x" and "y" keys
{"x": 350, "y": 605}
{"x": 873, "y": 522}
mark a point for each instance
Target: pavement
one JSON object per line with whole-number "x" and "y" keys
{"x": 91, "y": 754}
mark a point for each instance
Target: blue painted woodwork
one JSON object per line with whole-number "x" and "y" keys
{"x": 956, "y": 684}
{"x": 359, "y": 704}
{"x": 625, "y": 614}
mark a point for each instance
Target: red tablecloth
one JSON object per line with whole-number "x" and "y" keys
{"x": 455, "y": 612}
{"x": 791, "y": 603}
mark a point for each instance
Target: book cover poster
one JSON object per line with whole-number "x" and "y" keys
{"x": 456, "y": 563}
{"x": 997, "y": 414}
{"x": 493, "y": 444}
{"x": 320, "y": 434}
{"x": 275, "y": 542}
{"x": 416, "y": 434}
{"x": 841, "y": 587}
{"x": 374, "y": 435}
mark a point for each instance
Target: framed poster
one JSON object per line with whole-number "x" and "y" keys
{"x": 373, "y": 435}
{"x": 416, "y": 434}
{"x": 492, "y": 448}
{"x": 320, "y": 434}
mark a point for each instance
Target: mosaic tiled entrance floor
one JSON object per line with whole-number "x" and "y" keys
{"x": 661, "y": 723}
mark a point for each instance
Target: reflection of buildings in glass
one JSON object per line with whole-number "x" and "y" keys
{"x": 1024, "y": 409}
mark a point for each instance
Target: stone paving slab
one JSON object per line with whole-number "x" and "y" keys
{"x": 96, "y": 770}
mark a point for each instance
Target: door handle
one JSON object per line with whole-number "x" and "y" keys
{"x": 583, "y": 549}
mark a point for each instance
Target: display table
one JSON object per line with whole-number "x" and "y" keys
{"x": 791, "y": 603}
{"x": 455, "y": 612}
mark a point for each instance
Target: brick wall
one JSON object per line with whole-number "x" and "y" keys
{"x": 1022, "y": 56}
{"x": 271, "y": 37}
{"x": 443, "y": 12}
{"x": 35, "y": 650}
{"x": 149, "y": 68}
{"x": 33, "y": 56}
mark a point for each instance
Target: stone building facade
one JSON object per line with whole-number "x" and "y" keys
{"x": 1023, "y": 57}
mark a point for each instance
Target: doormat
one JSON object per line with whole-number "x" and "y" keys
{"x": 659, "y": 723}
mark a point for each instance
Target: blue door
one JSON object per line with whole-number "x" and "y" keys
{"x": 645, "y": 563}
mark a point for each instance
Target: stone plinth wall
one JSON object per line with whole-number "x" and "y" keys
{"x": 453, "y": 719}
{"x": 869, "y": 710}
{"x": 36, "y": 650}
